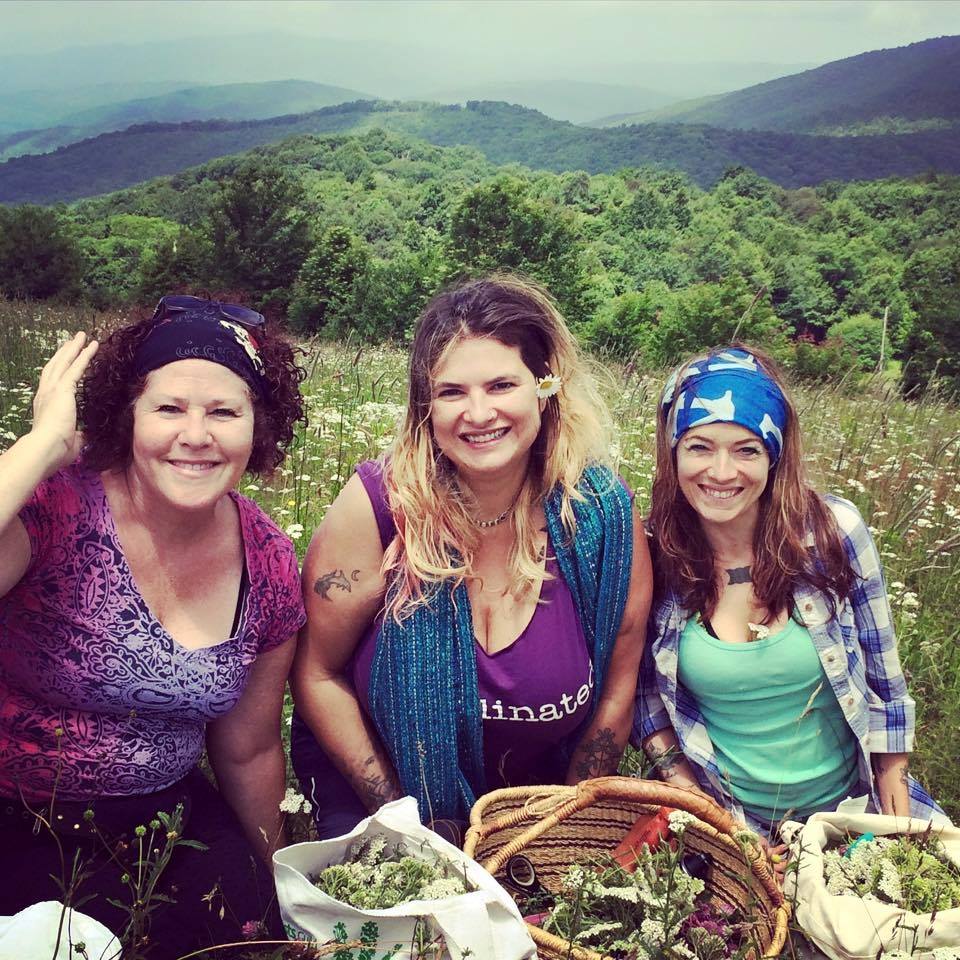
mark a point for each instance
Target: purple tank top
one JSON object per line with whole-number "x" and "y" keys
{"x": 534, "y": 694}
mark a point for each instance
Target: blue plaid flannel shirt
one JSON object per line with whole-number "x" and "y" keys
{"x": 858, "y": 651}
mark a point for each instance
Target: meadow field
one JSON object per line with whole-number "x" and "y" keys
{"x": 897, "y": 461}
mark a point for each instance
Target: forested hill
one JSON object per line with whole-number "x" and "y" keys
{"x": 914, "y": 84}
{"x": 227, "y": 101}
{"x": 503, "y": 133}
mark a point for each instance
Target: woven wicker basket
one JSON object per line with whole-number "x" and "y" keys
{"x": 553, "y": 827}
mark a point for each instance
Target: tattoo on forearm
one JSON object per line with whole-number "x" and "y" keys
{"x": 665, "y": 762}
{"x": 599, "y": 756}
{"x": 740, "y": 575}
{"x": 335, "y": 578}
{"x": 375, "y": 789}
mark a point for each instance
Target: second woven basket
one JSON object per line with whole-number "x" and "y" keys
{"x": 554, "y": 827}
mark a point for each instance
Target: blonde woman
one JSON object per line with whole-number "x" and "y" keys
{"x": 477, "y": 598}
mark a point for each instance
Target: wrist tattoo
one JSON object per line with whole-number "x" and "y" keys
{"x": 335, "y": 578}
{"x": 375, "y": 789}
{"x": 740, "y": 575}
{"x": 599, "y": 756}
{"x": 665, "y": 762}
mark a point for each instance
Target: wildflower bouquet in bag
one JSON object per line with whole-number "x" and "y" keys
{"x": 400, "y": 890}
{"x": 866, "y": 885}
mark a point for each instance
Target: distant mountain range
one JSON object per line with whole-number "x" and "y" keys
{"x": 907, "y": 100}
{"x": 231, "y": 101}
{"x": 502, "y": 132}
{"x": 408, "y": 67}
{"x": 912, "y": 84}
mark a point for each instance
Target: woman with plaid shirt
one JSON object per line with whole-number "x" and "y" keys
{"x": 771, "y": 679}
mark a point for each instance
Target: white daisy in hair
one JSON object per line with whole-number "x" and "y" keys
{"x": 548, "y": 386}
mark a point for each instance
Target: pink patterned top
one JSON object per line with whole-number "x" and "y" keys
{"x": 95, "y": 696}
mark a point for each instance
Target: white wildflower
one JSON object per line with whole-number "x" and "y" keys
{"x": 548, "y": 386}
{"x": 653, "y": 930}
{"x": 889, "y": 881}
{"x": 294, "y": 531}
{"x": 680, "y": 820}
{"x": 294, "y": 802}
{"x": 441, "y": 888}
{"x": 629, "y": 894}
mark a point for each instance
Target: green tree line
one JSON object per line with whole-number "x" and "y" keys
{"x": 350, "y": 235}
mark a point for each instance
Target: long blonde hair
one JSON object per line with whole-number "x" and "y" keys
{"x": 436, "y": 539}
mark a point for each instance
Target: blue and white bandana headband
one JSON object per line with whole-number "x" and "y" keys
{"x": 726, "y": 387}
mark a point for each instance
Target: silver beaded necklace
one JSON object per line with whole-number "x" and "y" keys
{"x": 494, "y": 521}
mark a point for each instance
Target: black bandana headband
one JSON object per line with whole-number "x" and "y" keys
{"x": 203, "y": 334}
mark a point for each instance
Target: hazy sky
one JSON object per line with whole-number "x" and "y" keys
{"x": 579, "y": 31}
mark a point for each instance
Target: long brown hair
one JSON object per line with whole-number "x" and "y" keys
{"x": 436, "y": 539}
{"x": 791, "y": 511}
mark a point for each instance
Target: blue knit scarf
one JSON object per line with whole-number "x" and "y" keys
{"x": 423, "y": 682}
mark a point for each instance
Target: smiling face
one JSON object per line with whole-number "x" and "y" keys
{"x": 722, "y": 469}
{"x": 484, "y": 408}
{"x": 192, "y": 435}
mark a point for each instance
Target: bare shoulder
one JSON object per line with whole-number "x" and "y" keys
{"x": 346, "y": 545}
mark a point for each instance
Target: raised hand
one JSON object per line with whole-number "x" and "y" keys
{"x": 55, "y": 402}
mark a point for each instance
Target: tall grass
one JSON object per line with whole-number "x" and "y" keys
{"x": 897, "y": 461}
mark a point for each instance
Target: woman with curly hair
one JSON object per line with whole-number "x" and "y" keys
{"x": 477, "y": 597}
{"x": 147, "y": 611}
{"x": 771, "y": 680}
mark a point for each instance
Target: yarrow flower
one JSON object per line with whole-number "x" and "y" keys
{"x": 548, "y": 386}
{"x": 294, "y": 802}
{"x": 680, "y": 820}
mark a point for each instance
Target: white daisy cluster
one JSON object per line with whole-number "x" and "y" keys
{"x": 294, "y": 802}
{"x": 679, "y": 821}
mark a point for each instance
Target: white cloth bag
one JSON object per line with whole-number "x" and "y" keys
{"x": 850, "y": 928}
{"x": 483, "y": 924}
{"x": 32, "y": 933}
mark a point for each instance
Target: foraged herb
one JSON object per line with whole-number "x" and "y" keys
{"x": 648, "y": 913}
{"x": 912, "y": 872}
{"x": 376, "y": 876}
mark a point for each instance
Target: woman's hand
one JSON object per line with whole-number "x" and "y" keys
{"x": 778, "y": 856}
{"x": 51, "y": 444}
{"x": 55, "y": 402}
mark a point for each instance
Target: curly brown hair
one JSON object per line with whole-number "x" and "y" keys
{"x": 111, "y": 387}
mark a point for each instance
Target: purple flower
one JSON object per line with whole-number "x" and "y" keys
{"x": 252, "y": 929}
{"x": 712, "y": 919}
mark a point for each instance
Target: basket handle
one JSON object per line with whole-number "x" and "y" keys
{"x": 662, "y": 794}
{"x": 620, "y": 788}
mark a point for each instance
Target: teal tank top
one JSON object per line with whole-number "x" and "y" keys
{"x": 782, "y": 742}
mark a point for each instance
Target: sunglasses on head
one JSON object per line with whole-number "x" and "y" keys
{"x": 172, "y": 305}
